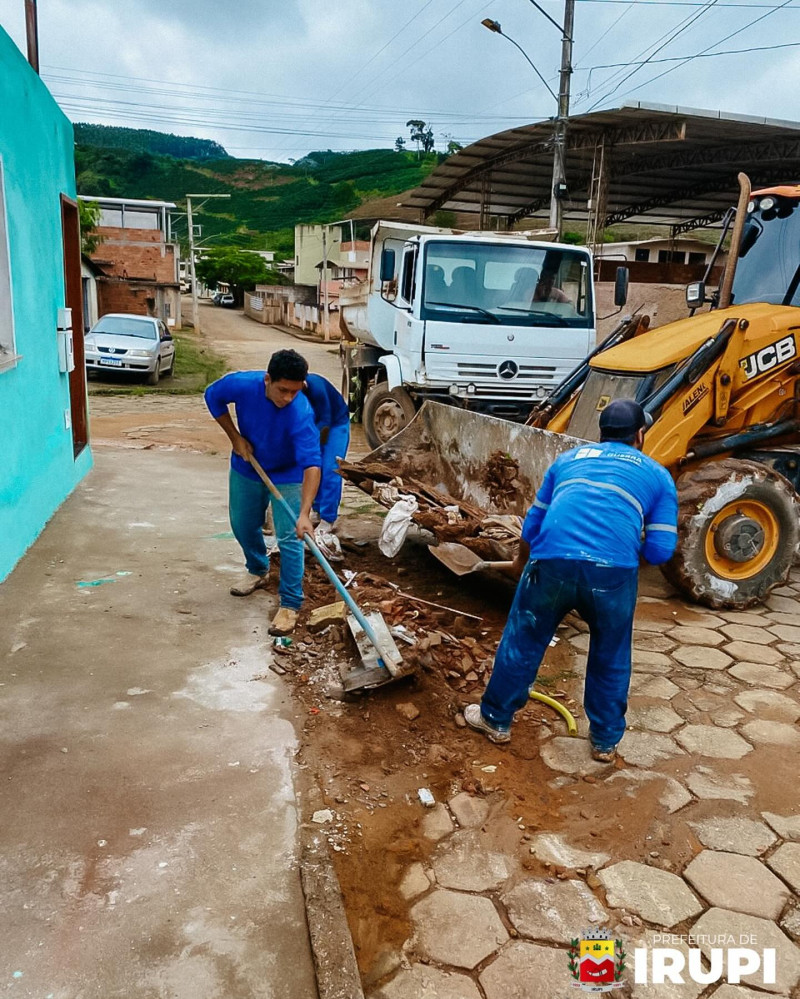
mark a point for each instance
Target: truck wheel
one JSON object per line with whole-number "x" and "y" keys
{"x": 737, "y": 533}
{"x": 386, "y": 413}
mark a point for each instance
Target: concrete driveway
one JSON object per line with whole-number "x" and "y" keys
{"x": 147, "y": 845}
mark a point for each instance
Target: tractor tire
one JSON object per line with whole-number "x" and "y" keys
{"x": 738, "y": 532}
{"x": 386, "y": 412}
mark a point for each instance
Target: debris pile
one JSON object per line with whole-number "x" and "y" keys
{"x": 493, "y": 537}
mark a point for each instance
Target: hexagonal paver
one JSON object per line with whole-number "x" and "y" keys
{"x": 735, "y": 834}
{"x": 771, "y": 733}
{"x": 708, "y": 740}
{"x": 786, "y": 862}
{"x": 769, "y": 705}
{"x": 705, "y": 784}
{"x": 440, "y": 920}
{"x": 551, "y": 848}
{"x": 746, "y": 617}
{"x": 751, "y": 653}
{"x": 657, "y": 896}
{"x": 695, "y": 619}
{"x": 786, "y": 632}
{"x": 674, "y": 795}
{"x": 651, "y": 642}
{"x": 775, "y": 618}
{"x": 788, "y": 649}
{"x": 790, "y": 923}
{"x": 701, "y": 657}
{"x": 786, "y": 826}
{"x": 666, "y": 990}
{"x": 465, "y": 863}
{"x": 650, "y": 662}
{"x": 644, "y": 749}
{"x": 569, "y": 755}
{"x": 782, "y": 605}
{"x": 695, "y": 636}
{"x": 758, "y": 675}
{"x": 653, "y": 717}
{"x": 737, "y": 992}
{"x": 747, "y": 633}
{"x": 731, "y": 881}
{"x": 719, "y": 924}
{"x": 654, "y": 686}
{"x": 551, "y": 911}
{"x": 414, "y": 882}
{"x": 436, "y": 822}
{"x": 470, "y": 811}
{"x": 424, "y": 982}
{"x": 527, "y": 971}
{"x": 727, "y": 717}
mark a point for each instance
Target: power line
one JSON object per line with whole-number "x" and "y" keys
{"x": 701, "y": 55}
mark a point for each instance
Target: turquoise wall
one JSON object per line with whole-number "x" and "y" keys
{"x": 37, "y": 468}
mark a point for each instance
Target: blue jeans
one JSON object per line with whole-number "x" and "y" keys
{"x": 605, "y": 597}
{"x": 329, "y": 495}
{"x": 248, "y": 500}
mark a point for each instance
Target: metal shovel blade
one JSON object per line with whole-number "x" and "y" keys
{"x": 457, "y": 558}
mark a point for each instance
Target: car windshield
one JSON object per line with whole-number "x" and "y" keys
{"x": 768, "y": 269}
{"x": 506, "y": 284}
{"x": 123, "y": 326}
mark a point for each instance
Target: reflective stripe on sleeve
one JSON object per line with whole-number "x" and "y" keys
{"x": 541, "y": 506}
{"x": 662, "y": 527}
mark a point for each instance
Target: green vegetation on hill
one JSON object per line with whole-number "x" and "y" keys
{"x": 144, "y": 140}
{"x": 266, "y": 199}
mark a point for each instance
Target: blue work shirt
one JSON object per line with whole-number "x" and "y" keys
{"x": 595, "y": 501}
{"x": 330, "y": 409}
{"x": 285, "y": 440}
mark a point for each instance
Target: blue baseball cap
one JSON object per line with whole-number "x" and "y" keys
{"x": 622, "y": 419}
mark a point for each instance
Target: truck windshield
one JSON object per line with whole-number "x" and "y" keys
{"x": 511, "y": 285}
{"x": 768, "y": 269}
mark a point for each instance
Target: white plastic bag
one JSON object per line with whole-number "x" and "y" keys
{"x": 396, "y": 524}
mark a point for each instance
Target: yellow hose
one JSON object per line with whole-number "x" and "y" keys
{"x": 551, "y": 702}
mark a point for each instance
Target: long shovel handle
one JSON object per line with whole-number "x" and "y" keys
{"x": 355, "y": 610}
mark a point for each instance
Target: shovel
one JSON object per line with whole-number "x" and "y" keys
{"x": 461, "y": 561}
{"x": 368, "y": 630}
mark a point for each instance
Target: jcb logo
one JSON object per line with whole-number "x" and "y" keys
{"x": 769, "y": 357}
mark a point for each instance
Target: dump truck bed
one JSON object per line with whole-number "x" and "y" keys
{"x": 474, "y": 476}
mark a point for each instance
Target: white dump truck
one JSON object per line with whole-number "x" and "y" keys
{"x": 487, "y": 321}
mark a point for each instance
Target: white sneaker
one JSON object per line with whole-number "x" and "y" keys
{"x": 248, "y": 584}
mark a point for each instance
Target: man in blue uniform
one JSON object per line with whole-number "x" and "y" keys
{"x": 274, "y": 423}
{"x": 580, "y": 550}
{"x": 332, "y": 418}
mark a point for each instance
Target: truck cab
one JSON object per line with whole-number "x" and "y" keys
{"x": 486, "y": 321}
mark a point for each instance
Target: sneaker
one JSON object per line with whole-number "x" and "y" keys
{"x": 248, "y": 584}
{"x": 474, "y": 718}
{"x": 604, "y": 755}
{"x": 329, "y": 545}
{"x": 284, "y": 621}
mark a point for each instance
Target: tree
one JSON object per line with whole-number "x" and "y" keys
{"x": 421, "y": 133}
{"x": 241, "y": 269}
{"x": 399, "y": 144}
{"x": 89, "y": 216}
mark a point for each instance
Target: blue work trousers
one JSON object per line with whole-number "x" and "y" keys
{"x": 329, "y": 495}
{"x": 248, "y": 501}
{"x": 605, "y": 597}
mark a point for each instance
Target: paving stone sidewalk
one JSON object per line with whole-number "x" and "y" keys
{"x": 712, "y": 694}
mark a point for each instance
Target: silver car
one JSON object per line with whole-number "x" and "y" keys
{"x": 136, "y": 345}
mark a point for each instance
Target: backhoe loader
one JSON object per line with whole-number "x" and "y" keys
{"x": 722, "y": 388}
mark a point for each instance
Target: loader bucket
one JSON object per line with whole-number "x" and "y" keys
{"x": 489, "y": 469}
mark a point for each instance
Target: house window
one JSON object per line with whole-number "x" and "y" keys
{"x": 697, "y": 258}
{"x": 671, "y": 257}
{"x": 8, "y": 351}
{"x": 643, "y": 256}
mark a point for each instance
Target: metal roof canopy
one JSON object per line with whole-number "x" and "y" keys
{"x": 642, "y": 163}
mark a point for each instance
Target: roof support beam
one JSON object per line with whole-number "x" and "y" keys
{"x": 778, "y": 151}
{"x": 698, "y": 222}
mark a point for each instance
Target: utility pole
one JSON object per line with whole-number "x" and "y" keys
{"x": 192, "y": 276}
{"x": 326, "y": 320}
{"x": 560, "y": 132}
{"x": 32, "y": 33}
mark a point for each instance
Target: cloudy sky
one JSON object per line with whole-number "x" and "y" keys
{"x": 277, "y": 78}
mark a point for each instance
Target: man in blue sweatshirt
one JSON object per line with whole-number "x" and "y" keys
{"x": 580, "y": 549}
{"x": 274, "y": 423}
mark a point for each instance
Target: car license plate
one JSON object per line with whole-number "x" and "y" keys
{"x": 112, "y": 362}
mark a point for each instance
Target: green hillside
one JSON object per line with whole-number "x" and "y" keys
{"x": 144, "y": 140}
{"x": 266, "y": 199}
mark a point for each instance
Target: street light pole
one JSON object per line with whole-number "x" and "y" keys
{"x": 562, "y": 100}
{"x": 560, "y": 136}
{"x": 192, "y": 275}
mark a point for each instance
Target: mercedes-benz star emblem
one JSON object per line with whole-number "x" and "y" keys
{"x": 508, "y": 369}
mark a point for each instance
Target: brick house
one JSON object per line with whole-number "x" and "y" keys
{"x": 138, "y": 260}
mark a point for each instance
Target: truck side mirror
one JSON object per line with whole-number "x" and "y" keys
{"x": 621, "y": 286}
{"x": 387, "y": 264}
{"x": 696, "y": 294}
